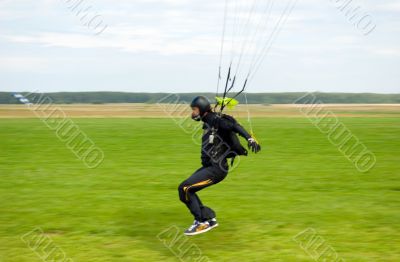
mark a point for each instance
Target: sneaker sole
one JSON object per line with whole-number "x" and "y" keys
{"x": 197, "y": 233}
{"x": 214, "y": 226}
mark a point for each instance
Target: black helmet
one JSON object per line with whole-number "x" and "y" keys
{"x": 202, "y": 103}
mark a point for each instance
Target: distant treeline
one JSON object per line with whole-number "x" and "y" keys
{"x": 253, "y": 98}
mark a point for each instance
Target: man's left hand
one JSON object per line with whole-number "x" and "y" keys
{"x": 252, "y": 143}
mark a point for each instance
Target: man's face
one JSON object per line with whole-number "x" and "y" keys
{"x": 196, "y": 113}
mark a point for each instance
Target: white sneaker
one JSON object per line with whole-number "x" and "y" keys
{"x": 197, "y": 228}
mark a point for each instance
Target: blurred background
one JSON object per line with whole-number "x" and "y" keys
{"x": 96, "y": 134}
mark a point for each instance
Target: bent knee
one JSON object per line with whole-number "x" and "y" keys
{"x": 183, "y": 190}
{"x": 182, "y": 186}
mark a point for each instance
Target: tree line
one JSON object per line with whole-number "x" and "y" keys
{"x": 253, "y": 98}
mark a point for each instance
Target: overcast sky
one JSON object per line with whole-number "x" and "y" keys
{"x": 174, "y": 45}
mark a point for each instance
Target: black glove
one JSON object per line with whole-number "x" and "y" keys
{"x": 252, "y": 143}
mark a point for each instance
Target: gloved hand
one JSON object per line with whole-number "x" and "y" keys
{"x": 252, "y": 143}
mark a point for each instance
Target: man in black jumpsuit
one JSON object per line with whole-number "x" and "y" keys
{"x": 216, "y": 147}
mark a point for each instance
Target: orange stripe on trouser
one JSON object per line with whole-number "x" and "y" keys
{"x": 202, "y": 183}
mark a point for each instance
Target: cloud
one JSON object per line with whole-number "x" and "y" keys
{"x": 188, "y": 34}
{"x": 390, "y": 7}
{"x": 170, "y": 31}
{"x": 23, "y": 64}
{"x": 137, "y": 41}
{"x": 392, "y": 52}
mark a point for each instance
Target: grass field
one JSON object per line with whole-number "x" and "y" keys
{"x": 115, "y": 211}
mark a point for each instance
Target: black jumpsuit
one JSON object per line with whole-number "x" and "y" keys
{"x": 214, "y": 168}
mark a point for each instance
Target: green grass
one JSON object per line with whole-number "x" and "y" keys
{"x": 116, "y": 211}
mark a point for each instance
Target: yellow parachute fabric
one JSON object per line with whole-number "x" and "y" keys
{"x": 228, "y": 102}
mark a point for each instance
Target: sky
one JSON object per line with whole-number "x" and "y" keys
{"x": 175, "y": 45}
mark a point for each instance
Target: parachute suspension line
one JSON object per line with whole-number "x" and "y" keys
{"x": 243, "y": 48}
{"x": 232, "y": 85}
{"x": 234, "y": 29}
{"x": 250, "y": 36}
{"x": 249, "y": 48}
{"x": 235, "y": 22}
{"x": 245, "y": 40}
{"x": 233, "y": 42}
{"x": 242, "y": 28}
{"x": 228, "y": 78}
{"x": 241, "y": 91}
{"x": 237, "y": 27}
{"x": 261, "y": 27}
{"x": 257, "y": 62}
{"x": 222, "y": 45}
{"x": 248, "y": 115}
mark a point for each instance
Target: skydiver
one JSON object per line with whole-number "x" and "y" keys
{"x": 219, "y": 142}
